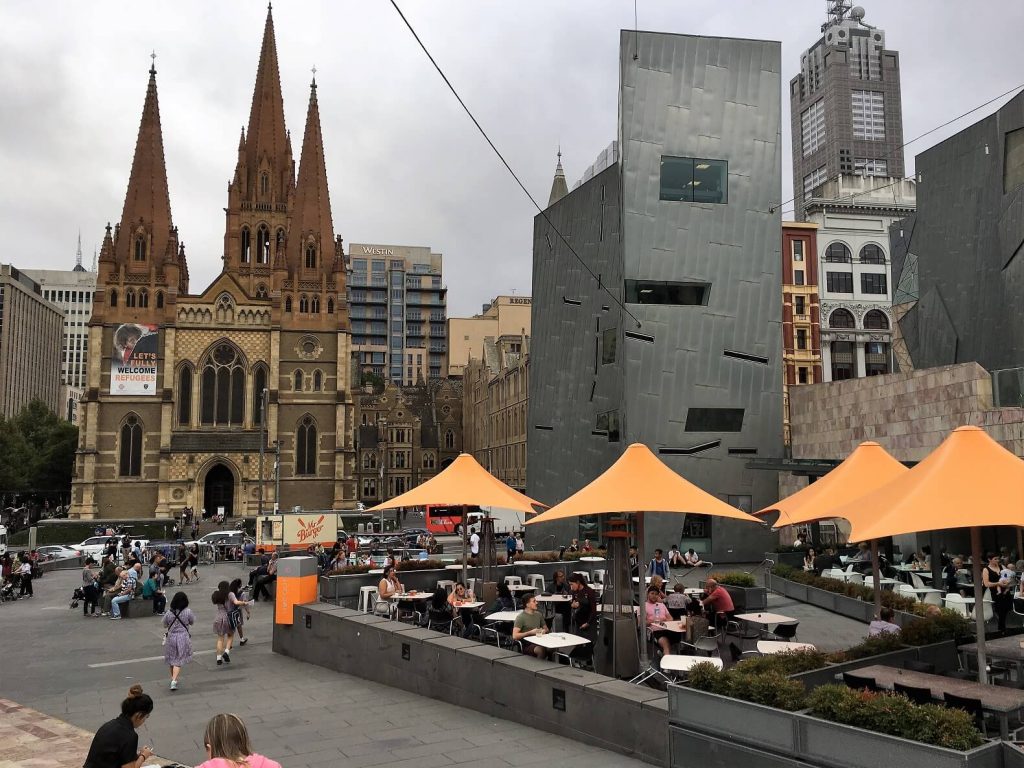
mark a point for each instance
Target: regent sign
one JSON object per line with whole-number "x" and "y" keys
{"x": 519, "y": 300}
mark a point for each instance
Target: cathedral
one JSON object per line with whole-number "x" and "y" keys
{"x": 182, "y": 387}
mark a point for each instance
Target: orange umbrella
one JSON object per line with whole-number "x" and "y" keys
{"x": 967, "y": 482}
{"x": 867, "y": 468}
{"x": 463, "y": 483}
{"x": 640, "y": 482}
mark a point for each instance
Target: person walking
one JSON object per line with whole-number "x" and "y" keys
{"x": 228, "y": 745}
{"x": 90, "y": 588}
{"x": 177, "y": 637}
{"x": 222, "y": 624}
{"x": 183, "y": 577}
{"x": 25, "y": 571}
{"x": 236, "y": 602}
{"x": 193, "y": 561}
{"x": 116, "y": 743}
{"x": 510, "y": 548}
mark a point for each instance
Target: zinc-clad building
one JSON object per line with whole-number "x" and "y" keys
{"x": 671, "y": 335}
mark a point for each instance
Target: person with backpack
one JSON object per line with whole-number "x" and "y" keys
{"x": 177, "y": 637}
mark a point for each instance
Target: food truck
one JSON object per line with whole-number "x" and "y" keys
{"x": 297, "y": 530}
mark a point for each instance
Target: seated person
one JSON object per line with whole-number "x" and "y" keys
{"x": 675, "y": 557}
{"x": 657, "y": 615}
{"x": 883, "y": 624}
{"x": 458, "y": 596}
{"x": 505, "y": 601}
{"x": 111, "y": 592}
{"x": 441, "y": 609}
{"x": 718, "y": 602}
{"x": 583, "y": 606}
{"x": 558, "y": 584}
{"x": 825, "y": 561}
{"x": 389, "y": 585}
{"x": 677, "y": 602}
{"x": 861, "y": 560}
{"x": 659, "y": 583}
{"x": 151, "y": 591}
{"x": 692, "y": 559}
{"x": 530, "y": 623}
{"x": 951, "y": 578}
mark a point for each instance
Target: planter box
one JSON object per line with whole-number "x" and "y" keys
{"x": 852, "y": 607}
{"x": 776, "y": 737}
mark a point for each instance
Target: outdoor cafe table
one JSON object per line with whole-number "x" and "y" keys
{"x": 1005, "y": 648}
{"x": 1001, "y": 702}
{"x": 556, "y": 640}
{"x": 684, "y": 663}
{"x": 521, "y": 588}
{"x": 923, "y": 592}
{"x": 503, "y": 616}
{"x": 554, "y": 598}
{"x": 764, "y": 619}
{"x": 768, "y": 647}
{"x": 525, "y": 562}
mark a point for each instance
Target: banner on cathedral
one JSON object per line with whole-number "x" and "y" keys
{"x": 133, "y": 366}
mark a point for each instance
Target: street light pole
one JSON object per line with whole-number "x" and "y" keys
{"x": 263, "y": 439}
{"x": 277, "y": 476}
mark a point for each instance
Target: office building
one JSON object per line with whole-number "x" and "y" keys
{"x": 854, "y": 215}
{"x": 960, "y": 301}
{"x": 399, "y": 312}
{"x": 845, "y": 106}
{"x": 495, "y": 387}
{"x": 72, "y": 290}
{"x": 504, "y": 320}
{"x": 183, "y": 389}
{"x": 30, "y": 340}
{"x": 801, "y": 311}
{"x": 671, "y": 334}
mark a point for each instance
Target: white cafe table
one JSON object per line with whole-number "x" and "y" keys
{"x": 526, "y": 562}
{"x": 592, "y": 559}
{"x": 693, "y": 591}
{"x": 768, "y": 647}
{"x": 503, "y": 616}
{"x": 555, "y": 640}
{"x": 458, "y": 567}
{"x": 470, "y": 605}
{"x": 684, "y": 663}
{"x": 411, "y": 596}
{"x": 554, "y": 598}
{"x": 521, "y": 588}
{"x": 764, "y": 619}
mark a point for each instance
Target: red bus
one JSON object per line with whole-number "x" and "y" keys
{"x": 448, "y": 519}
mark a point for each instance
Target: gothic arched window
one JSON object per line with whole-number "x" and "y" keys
{"x": 872, "y": 254}
{"x": 330, "y": 306}
{"x": 245, "y": 245}
{"x": 303, "y": 304}
{"x": 264, "y": 183}
{"x": 449, "y": 439}
{"x": 297, "y": 380}
{"x": 129, "y": 298}
{"x": 310, "y": 257}
{"x": 841, "y": 318}
{"x": 159, "y": 299}
{"x": 223, "y": 387}
{"x": 184, "y": 396}
{"x": 113, "y": 298}
{"x": 261, "y": 291}
{"x": 259, "y": 383}
{"x": 143, "y": 297}
{"x": 315, "y": 305}
{"x": 305, "y": 447}
{"x": 130, "y": 464}
{"x": 318, "y": 380}
{"x": 263, "y": 245}
{"x": 140, "y": 248}
{"x": 288, "y": 304}
{"x": 875, "y": 320}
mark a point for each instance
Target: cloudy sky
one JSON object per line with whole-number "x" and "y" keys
{"x": 405, "y": 165}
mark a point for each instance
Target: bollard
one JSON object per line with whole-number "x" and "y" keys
{"x": 295, "y": 585}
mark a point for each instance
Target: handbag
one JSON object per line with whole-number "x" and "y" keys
{"x": 235, "y": 617}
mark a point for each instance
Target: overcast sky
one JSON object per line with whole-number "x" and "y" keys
{"x": 405, "y": 165}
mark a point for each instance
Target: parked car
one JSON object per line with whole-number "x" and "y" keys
{"x": 57, "y": 551}
{"x": 93, "y": 546}
{"x": 217, "y": 538}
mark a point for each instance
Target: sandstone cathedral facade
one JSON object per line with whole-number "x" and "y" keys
{"x": 181, "y": 386}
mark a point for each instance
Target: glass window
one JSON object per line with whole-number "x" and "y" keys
{"x": 131, "y": 447}
{"x": 185, "y": 396}
{"x": 694, "y": 180}
{"x": 798, "y": 277}
{"x": 801, "y": 338}
{"x": 873, "y": 283}
{"x": 305, "y": 447}
{"x": 868, "y": 109}
{"x": 654, "y": 292}
{"x": 1013, "y": 160}
{"x": 872, "y": 254}
{"x": 875, "y": 320}
{"x": 801, "y": 375}
{"x": 814, "y": 179}
{"x": 839, "y": 282}
{"x": 223, "y": 388}
{"x": 841, "y": 318}
{"x": 838, "y": 253}
{"x": 870, "y": 167}
{"x": 812, "y": 127}
{"x": 798, "y": 250}
{"x": 609, "y": 340}
{"x": 800, "y": 305}
{"x": 714, "y": 420}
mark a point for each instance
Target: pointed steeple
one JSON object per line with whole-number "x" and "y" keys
{"x": 147, "y": 206}
{"x": 78, "y": 255}
{"x": 94, "y": 254}
{"x": 266, "y": 140}
{"x": 559, "y": 188}
{"x": 311, "y": 219}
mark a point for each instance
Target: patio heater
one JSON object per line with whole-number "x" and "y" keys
{"x": 617, "y": 653}
{"x": 487, "y": 589}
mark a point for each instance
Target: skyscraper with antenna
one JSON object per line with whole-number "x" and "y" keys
{"x": 845, "y": 106}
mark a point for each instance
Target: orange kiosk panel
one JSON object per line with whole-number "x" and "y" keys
{"x": 296, "y": 585}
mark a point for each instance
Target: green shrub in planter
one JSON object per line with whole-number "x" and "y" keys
{"x": 735, "y": 579}
{"x": 947, "y": 625}
{"x": 788, "y": 663}
{"x": 349, "y": 570}
{"x": 871, "y": 646}
{"x": 772, "y": 689}
{"x": 895, "y": 715}
{"x": 889, "y": 599}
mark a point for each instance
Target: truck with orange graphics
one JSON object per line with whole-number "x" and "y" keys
{"x": 297, "y": 530}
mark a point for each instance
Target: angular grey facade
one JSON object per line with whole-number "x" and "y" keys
{"x": 968, "y": 239}
{"x": 699, "y": 377}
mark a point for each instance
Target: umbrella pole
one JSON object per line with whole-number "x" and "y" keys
{"x": 979, "y": 601}
{"x": 465, "y": 540}
{"x": 641, "y": 587}
{"x": 876, "y": 577}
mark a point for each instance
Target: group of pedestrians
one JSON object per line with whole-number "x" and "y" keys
{"x": 116, "y": 743}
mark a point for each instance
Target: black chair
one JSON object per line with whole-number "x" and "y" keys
{"x": 785, "y": 632}
{"x": 919, "y": 666}
{"x": 858, "y": 682}
{"x": 970, "y": 706}
{"x": 915, "y": 694}
{"x": 1004, "y": 682}
{"x": 738, "y": 654}
{"x": 440, "y": 620}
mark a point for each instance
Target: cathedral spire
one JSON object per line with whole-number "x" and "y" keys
{"x": 78, "y": 254}
{"x": 311, "y": 220}
{"x": 146, "y": 218}
{"x": 266, "y": 139}
{"x": 559, "y": 188}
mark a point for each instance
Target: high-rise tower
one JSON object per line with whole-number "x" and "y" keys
{"x": 845, "y": 105}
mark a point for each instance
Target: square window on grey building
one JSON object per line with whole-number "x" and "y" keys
{"x": 839, "y": 282}
{"x": 657, "y": 292}
{"x": 1013, "y": 160}
{"x": 873, "y": 283}
{"x": 812, "y": 128}
{"x": 694, "y": 180}
{"x": 714, "y": 420}
{"x": 814, "y": 179}
{"x": 743, "y": 503}
{"x": 868, "y": 110}
{"x": 609, "y": 340}
{"x": 609, "y": 422}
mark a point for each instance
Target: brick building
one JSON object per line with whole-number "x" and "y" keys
{"x": 180, "y": 384}
{"x": 801, "y": 311}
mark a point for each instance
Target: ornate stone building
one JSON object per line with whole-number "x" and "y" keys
{"x": 174, "y": 407}
{"x": 406, "y": 435}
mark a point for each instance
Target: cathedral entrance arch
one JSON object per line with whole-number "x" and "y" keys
{"x": 219, "y": 490}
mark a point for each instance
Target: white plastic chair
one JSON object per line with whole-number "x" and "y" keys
{"x": 367, "y": 597}
{"x": 986, "y": 608}
{"x": 513, "y": 580}
{"x": 536, "y": 580}
{"x": 907, "y": 591}
{"x": 446, "y": 584}
{"x": 855, "y": 578}
{"x": 917, "y": 581}
{"x": 599, "y": 575}
{"x": 834, "y": 573}
{"x": 957, "y": 603}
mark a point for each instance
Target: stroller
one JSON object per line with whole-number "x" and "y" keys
{"x": 76, "y": 596}
{"x": 7, "y": 591}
